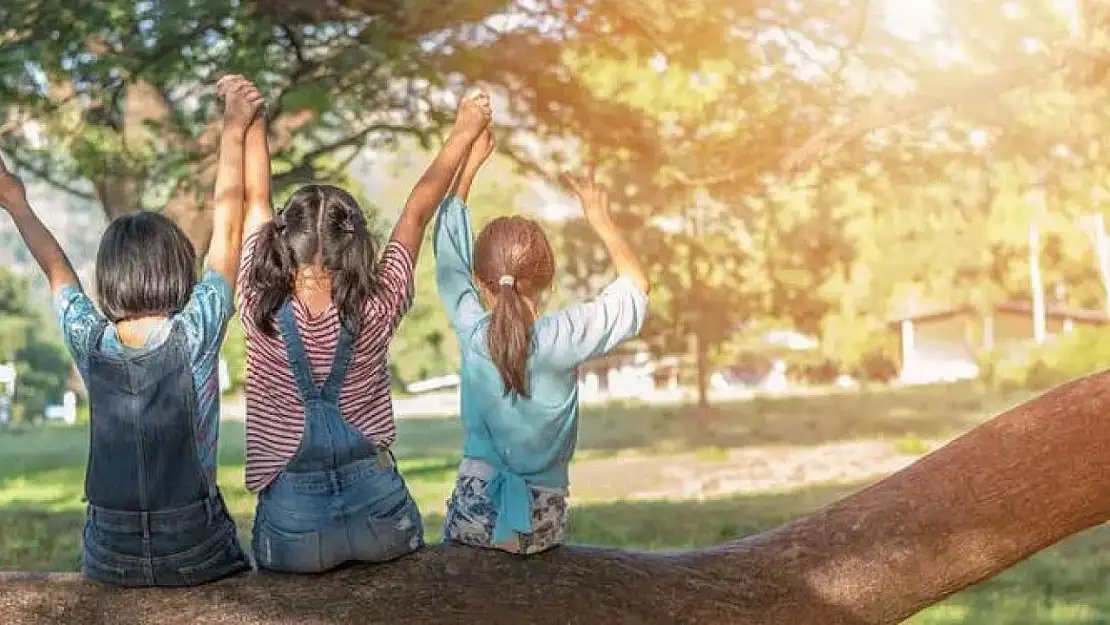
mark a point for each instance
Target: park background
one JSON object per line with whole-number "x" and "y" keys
{"x": 870, "y": 226}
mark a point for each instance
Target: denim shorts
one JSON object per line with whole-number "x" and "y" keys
{"x": 187, "y": 546}
{"x": 310, "y": 522}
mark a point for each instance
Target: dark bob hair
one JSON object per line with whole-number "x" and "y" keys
{"x": 145, "y": 267}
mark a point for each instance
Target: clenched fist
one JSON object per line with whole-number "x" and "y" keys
{"x": 474, "y": 114}
{"x": 242, "y": 100}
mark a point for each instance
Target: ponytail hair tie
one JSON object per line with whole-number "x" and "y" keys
{"x": 507, "y": 280}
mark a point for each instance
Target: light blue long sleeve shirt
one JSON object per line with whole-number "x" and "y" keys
{"x": 526, "y": 440}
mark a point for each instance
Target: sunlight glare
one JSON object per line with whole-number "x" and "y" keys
{"x": 1070, "y": 10}
{"x": 914, "y": 20}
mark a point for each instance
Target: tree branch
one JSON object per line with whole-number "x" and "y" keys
{"x": 48, "y": 177}
{"x": 880, "y": 114}
{"x": 1023, "y": 481}
{"x": 883, "y": 114}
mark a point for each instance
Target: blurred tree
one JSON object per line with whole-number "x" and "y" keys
{"x": 41, "y": 361}
{"x": 114, "y": 92}
{"x": 918, "y": 140}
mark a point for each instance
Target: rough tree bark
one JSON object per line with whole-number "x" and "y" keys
{"x": 1009, "y": 488}
{"x": 146, "y": 123}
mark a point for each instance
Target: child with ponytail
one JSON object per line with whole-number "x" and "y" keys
{"x": 519, "y": 387}
{"x": 319, "y": 309}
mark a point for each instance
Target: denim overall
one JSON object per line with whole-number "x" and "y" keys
{"x": 340, "y": 499}
{"x": 154, "y": 518}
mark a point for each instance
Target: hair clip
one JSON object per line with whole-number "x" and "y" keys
{"x": 507, "y": 280}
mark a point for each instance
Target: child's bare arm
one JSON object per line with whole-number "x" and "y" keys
{"x": 480, "y": 152}
{"x": 241, "y": 103}
{"x": 595, "y": 205}
{"x": 473, "y": 116}
{"x": 44, "y": 247}
{"x": 257, "y": 161}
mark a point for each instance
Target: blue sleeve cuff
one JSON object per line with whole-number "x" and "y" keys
{"x": 627, "y": 286}
{"x": 216, "y": 281}
{"x": 64, "y": 297}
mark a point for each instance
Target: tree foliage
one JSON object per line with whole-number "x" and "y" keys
{"x": 42, "y": 364}
{"x": 816, "y": 165}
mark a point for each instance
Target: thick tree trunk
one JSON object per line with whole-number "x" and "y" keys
{"x": 191, "y": 210}
{"x": 146, "y": 125}
{"x": 701, "y": 363}
{"x": 187, "y": 207}
{"x": 1013, "y": 486}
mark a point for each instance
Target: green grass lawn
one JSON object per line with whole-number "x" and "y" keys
{"x": 41, "y": 472}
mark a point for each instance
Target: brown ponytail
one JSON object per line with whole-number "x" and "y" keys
{"x": 513, "y": 260}
{"x": 510, "y": 339}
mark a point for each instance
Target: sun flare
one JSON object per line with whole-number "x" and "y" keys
{"x": 914, "y": 20}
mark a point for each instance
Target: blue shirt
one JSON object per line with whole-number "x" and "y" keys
{"x": 527, "y": 440}
{"x": 204, "y": 320}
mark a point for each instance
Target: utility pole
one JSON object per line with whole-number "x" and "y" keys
{"x": 1095, "y": 227}
{"x": 1037, "y": 200}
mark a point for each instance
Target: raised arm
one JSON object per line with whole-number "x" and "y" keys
{"x": 44, "y": 247}
{"x": 257, "y": 162}
{"x": 595, "y": 205}
{"x": 452, "y": 244}
{"x": 575, "y": 334}
{"x": 241, "y": 103}
{"x": 473, "y": 116}
{"x": 480, "y": 151}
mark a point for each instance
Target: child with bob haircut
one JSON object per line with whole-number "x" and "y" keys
{"x": 519, "y": 371}
{"x": 149, "y": 360}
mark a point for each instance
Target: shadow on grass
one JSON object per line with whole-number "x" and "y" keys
{"x": 931, "y": 413}
{"x": 925, "y": 413}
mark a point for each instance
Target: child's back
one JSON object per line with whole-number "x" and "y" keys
{"x": 155, "y": 515}
{"x": 520, "y": 447}
{"x": 537, "y": 432}
{"x": 275, "y": 405}
{"x": 319, "y": 312}
{"x": 519, "y": 370}
{"x": 149, "y": 360}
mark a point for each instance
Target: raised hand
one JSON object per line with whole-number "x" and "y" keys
{"x": 593, "y": 196}
{"x": 595, "y": 204}
{"x": 242, "y": 100}
{"x": 473, "y": 115}
{"x": 12, "y": 192}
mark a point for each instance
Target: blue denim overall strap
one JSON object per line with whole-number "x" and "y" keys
{"x": 328, "y": 441}
{"x": 143, "y": 453}
{"x": 336, "y": 500}
{"x": 154, "y": 516}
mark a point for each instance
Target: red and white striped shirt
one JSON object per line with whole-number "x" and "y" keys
{"x": 275, "y": 412}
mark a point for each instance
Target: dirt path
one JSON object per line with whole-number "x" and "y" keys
{"x": 728, "y": 472}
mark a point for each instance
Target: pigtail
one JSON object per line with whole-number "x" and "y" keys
{"x": 510, "y": 337}
{"x": 271, "y": 275}
{"x": 350, "y": 255}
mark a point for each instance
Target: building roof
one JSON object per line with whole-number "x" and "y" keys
{"x": 1015, "y": 307}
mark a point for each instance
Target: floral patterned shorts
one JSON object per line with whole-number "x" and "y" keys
{"x": 471, "y": 516}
